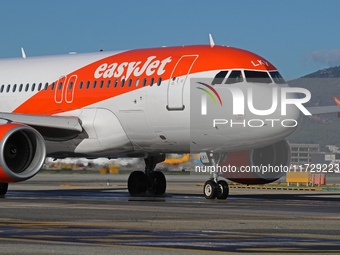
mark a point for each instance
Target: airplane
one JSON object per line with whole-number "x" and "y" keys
{"x": 146, "y": 103}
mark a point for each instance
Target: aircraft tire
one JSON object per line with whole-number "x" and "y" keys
{"x": 157, "y": 183}
{"x": 210, "y": 189}
{"x": 3, "y": 189}
{"x": 222, "y": 190}
{"x": 137, "y": 183}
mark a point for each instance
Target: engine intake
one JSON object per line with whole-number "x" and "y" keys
{"x": 258, "y": 166}
{"x": 22, "y": 152}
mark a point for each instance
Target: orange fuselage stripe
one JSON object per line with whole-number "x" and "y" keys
{"x": 134, "y": 64}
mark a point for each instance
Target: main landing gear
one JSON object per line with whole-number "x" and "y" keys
{"x": 150, "y": 181}
{"x": 3, "y": 189}
{"x": 214, "y": 188}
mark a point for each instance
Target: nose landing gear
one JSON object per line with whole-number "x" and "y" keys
{"x": 214, "y": 188}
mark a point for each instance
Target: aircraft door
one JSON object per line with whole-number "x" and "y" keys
{"x": 70, "y": 88}
{"x": 59, "y": 89}
{"x": 65, "y": 88}
{"x": 177, "y": 81}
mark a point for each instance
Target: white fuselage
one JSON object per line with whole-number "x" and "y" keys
{"x": 164, "y": 117}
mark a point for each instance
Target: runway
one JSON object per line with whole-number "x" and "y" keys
{"x": 80, "y": 214}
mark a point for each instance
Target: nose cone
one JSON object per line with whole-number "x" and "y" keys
{"x": 282, "y": 120}
{"x": 289, "y": 120}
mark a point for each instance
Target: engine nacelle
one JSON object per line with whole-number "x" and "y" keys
{"x": 22, "y": 152}
{"x": 258, "y": 166}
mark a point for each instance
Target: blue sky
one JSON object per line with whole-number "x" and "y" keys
{"x": 298, "y": 37}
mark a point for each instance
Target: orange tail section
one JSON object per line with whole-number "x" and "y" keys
{"x": 337, "y": 101}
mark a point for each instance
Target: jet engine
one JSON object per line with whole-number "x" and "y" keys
{"x": 22, "y": 152}
{"x": 257, "y": 166}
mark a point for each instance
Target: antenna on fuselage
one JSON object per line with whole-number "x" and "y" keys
{"x": 212, "y": 44}
{"x": 23, "y": 53}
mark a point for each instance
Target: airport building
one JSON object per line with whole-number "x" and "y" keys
{"x": 311, "y": 154}
{"x": 326, "y": 158}
{"x": 302, "y": 153}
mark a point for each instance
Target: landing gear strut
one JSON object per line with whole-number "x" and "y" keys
{"x": 3, "y": 189}
{"x": 214, "y": 188}
{"x": 150, "y": 180}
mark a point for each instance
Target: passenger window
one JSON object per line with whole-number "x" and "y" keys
{"x": 14, "y": 87}
{"x": 27, "y": 87}
{"x": 144, "y": 81}
{"x": 46, "y": 86}
{"x": 234, "y": 77}
{"x": 108, "y": 84}
{"x": 87, "y": 84}
{"x": 101, "y": 84}
{"x": 53, "y": 85}
{"x": 137, "y": 82}
{"x": 257, "y": 77}
{"x": 39, "y": 87}
{"x": 159, "y": 82}
{"x": 115, "y": 84}
{"x": 151, "y": 81}
{"x": 33, "y": 86}
{"x": 20, "y": 87}
{"x": 130, "y": 82}
{"x": 94, "y": 84}
{"x": 81, "y": 85}
{"x": 2, "y": 88}
{"x": 122, "y": 83}
{"x": 219, "y": 77}
{"x": 8, "y": 88}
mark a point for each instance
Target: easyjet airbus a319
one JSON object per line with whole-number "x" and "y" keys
{"x": 230, "y": 105}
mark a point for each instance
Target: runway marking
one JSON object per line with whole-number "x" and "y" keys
{"x": 85, "y": 187}
{"x": 140, "y": 224}
{"x": 322, "y": 216}
{"x": 165, "y": 239}
{"x": 287, "y": 249}
{"x": 106, "y": 196}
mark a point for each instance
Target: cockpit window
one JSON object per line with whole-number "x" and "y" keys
{"x": 257, "y": 77}
{"x": 277, "y": 77}
{"x": 234, "y": 77}
{"x": 219, "y": 77}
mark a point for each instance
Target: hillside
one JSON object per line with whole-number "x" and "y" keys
{"x": 322, "y": 129}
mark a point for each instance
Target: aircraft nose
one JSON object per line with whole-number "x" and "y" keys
{"x": 292, "y": 118}
{"x": 283, "y": 118}
{"x": 288, "y": 122}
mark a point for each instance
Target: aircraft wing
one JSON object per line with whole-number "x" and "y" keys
{"x": 323, "y": 109}
{"x": 326, "y": 109}
{"x": 54, "y": 128}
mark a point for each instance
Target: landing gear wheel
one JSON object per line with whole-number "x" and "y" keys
{"x": 3, "y": 189}
{"x": 223, "y": 190}
{"x": 137, "y": 183}
{"x": 210, "y": 189}
{"x": 157, "y": 183}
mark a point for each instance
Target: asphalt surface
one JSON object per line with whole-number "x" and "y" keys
{"x": 81, "y": 214}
